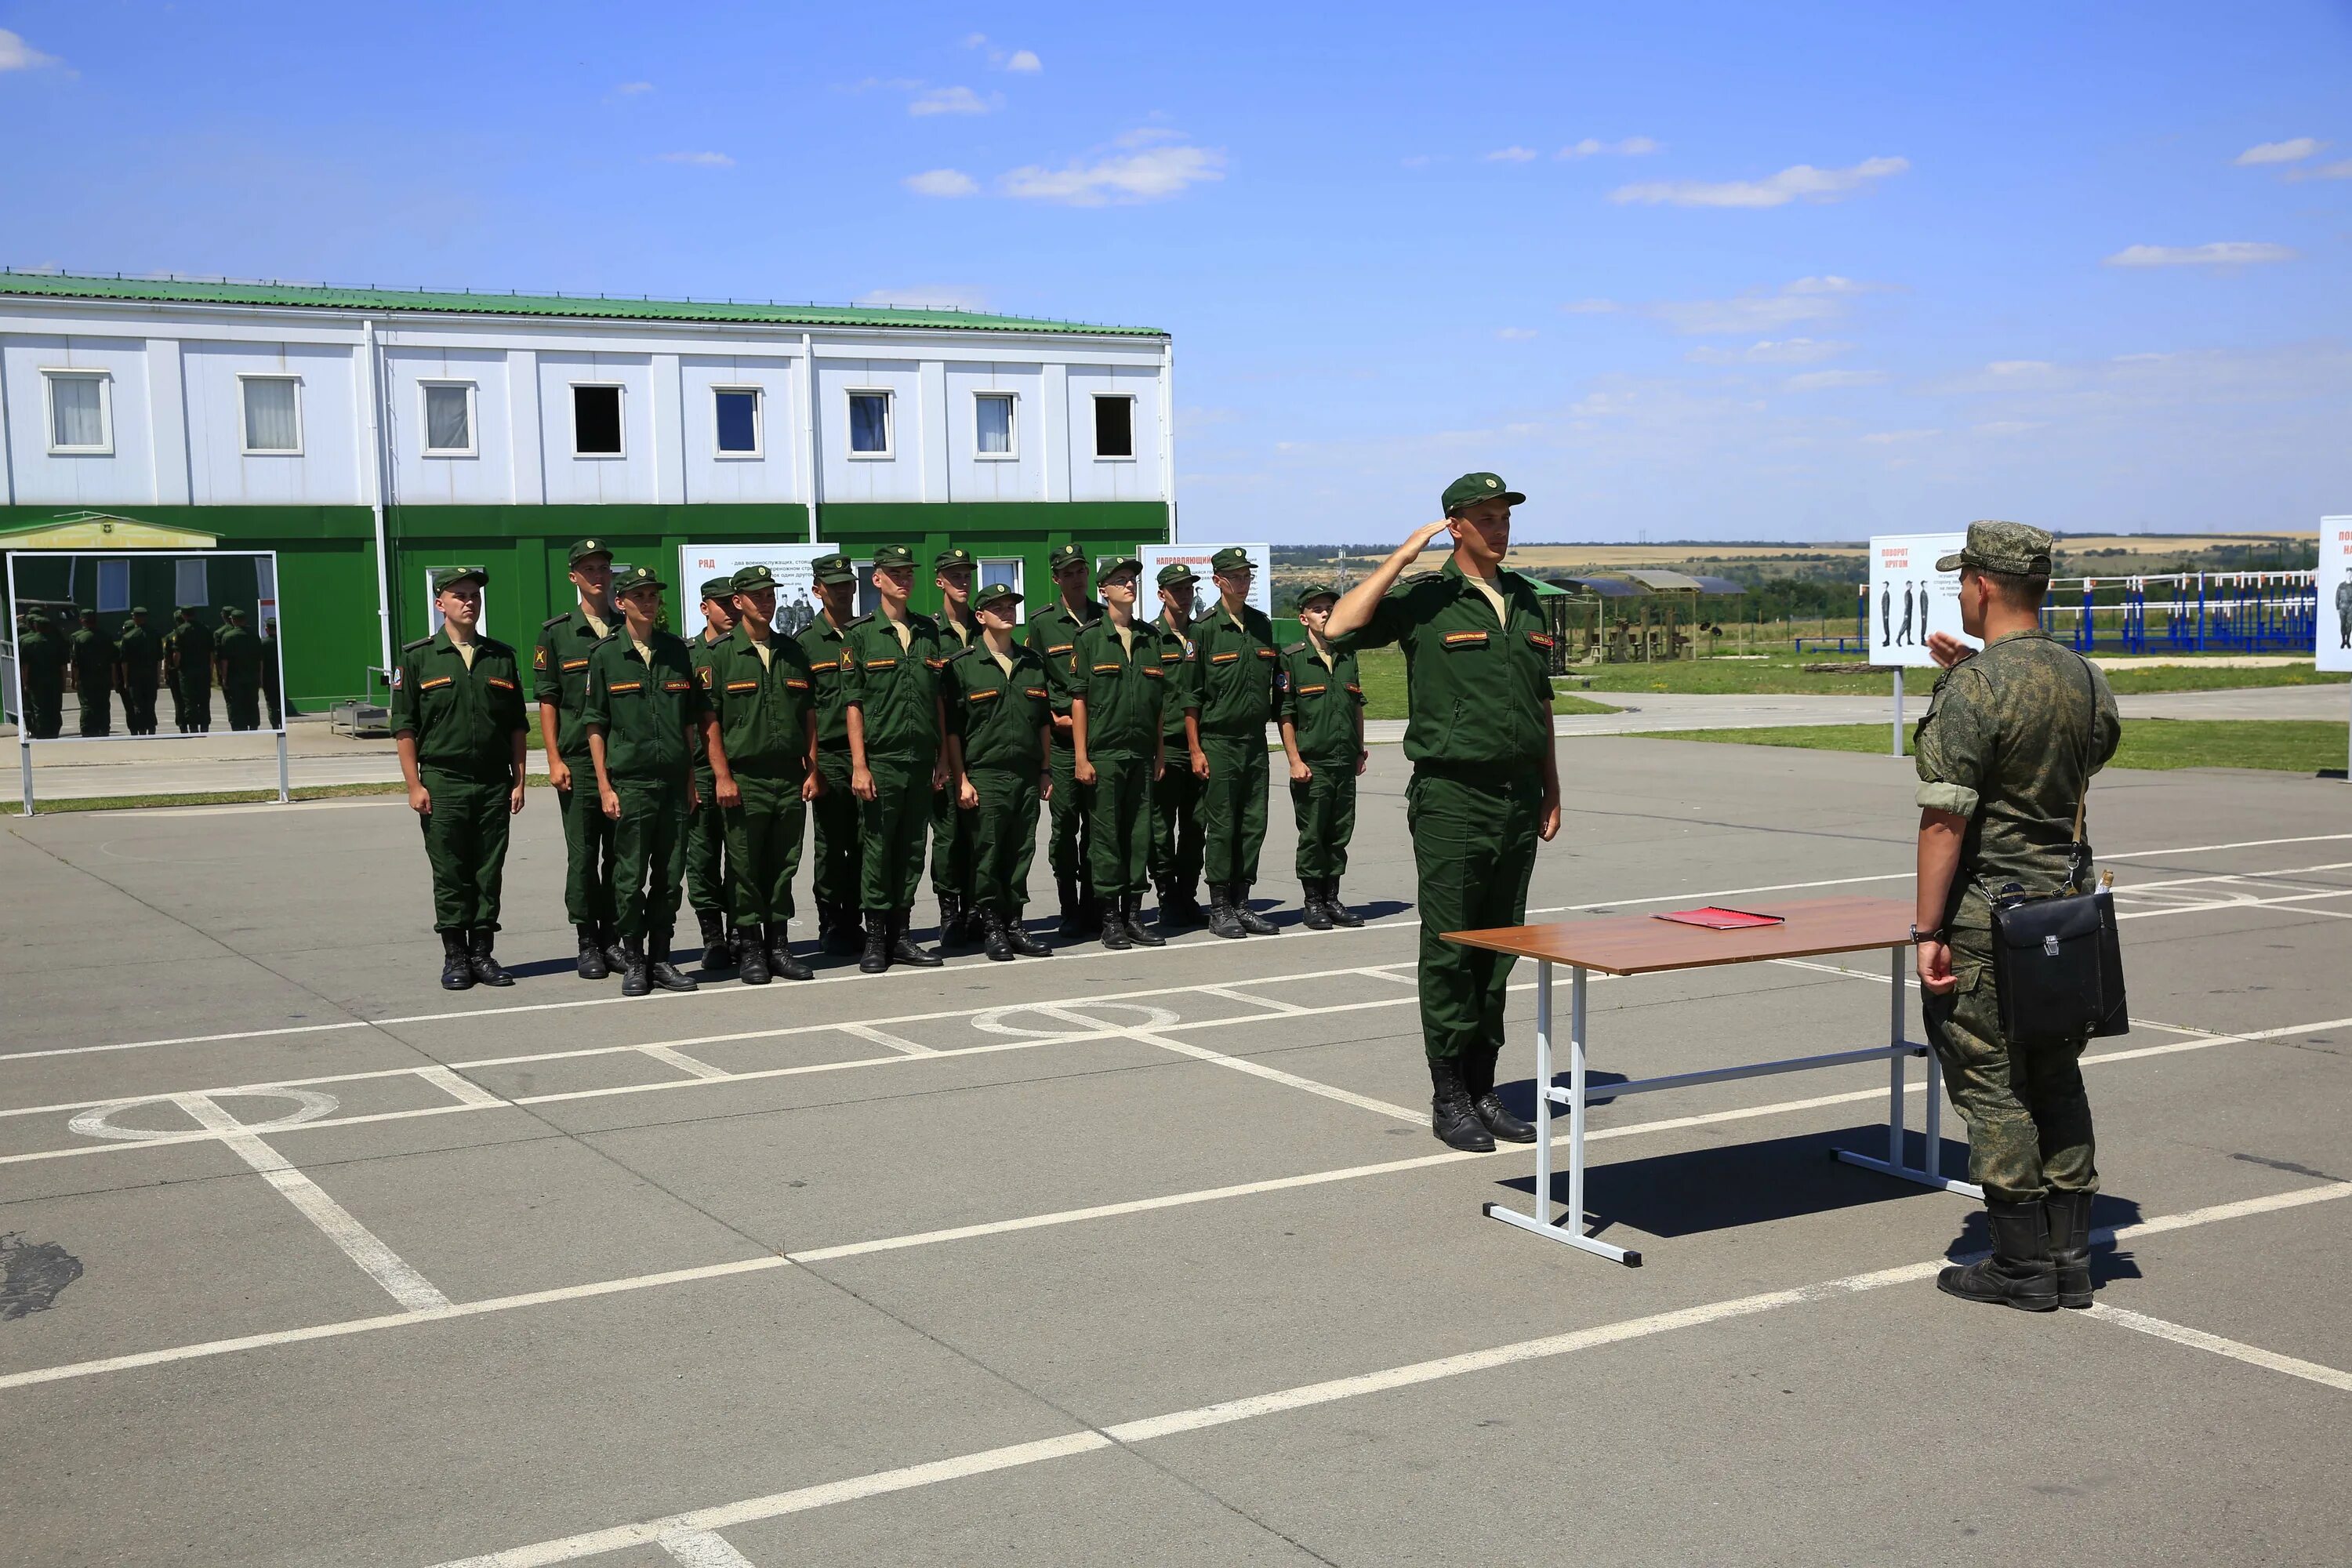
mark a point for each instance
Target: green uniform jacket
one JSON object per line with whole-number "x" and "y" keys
{"x": 464, "y": 721}
{"x": 91, "y": 652}
{"x": 1322, "y": 704}
{"x": 240, "y": 653}
{"x": 140, "y": 652}
{"x": 999, "y": 717}
{"x": 897, "y": 688}
{"x": 559, "y": 667}
{"x": 1176, "y": 657}
{"x": 1479, "y": 691}
{"x": 821, "y": 644}
{"x": 643, "y": 710}
{"x": 42, "y": 658}
{"x": 762, "y": 708}
{"x": 700, "y": 651}
{"x": 1125, "y": 689}
{"x": 191, "y": 650}
{"x": 1053, "y": 633}
{"x": 1234, "y": 673}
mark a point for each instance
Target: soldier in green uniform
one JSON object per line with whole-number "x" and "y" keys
{"x": 1176, "y": 792}
{"x": 1234, "y": 660}
{"x": 644, "y": 701}
{"x": 192, "y": 670}
{"x": 141, "y": 658}
{"x": 953, "y": 828}
{"x": 1323, "y": 739}
{"x": 706, "y": 837}
{"x": 559, "y": 667}
{"x": 2005, "y": 755}
{"x": 1118, "y": 695}
{"x": 1485, "y": 782}
{"x": 890, "y": 662}
{"x": 237, "y": 656}
{"x": 999, "y": 735}
{"x": 834, "y": 879}
{"x": 456, "y": 716}
{"x": 41, "y": 660}
{"x": 270, "y": 673}
{"x": 1053, "y": 636}
{"x": 764, "y": 698}
{"x": 90, "y": 661}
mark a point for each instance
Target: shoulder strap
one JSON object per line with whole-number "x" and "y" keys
{"x": 2090, "y": 745}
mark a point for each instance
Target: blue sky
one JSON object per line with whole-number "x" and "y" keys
{"x": 1677, "y": 272}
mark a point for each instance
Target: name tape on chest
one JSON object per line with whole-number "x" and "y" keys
{"x": 626, "y": 686}
{"x": 1466, "y": 640}
{"x": 881, "y": 664}
{"x": 437, "y": 681}
{"x": 792, "y": 683}
{"x": 570, "y": 664}
{"x": 501, "y": 685}
{"x": 1037, "y": 691}
{"x": 745, "y": 685}
{"x": 1312, "y": 690}
{"x": 982, "y": 696}
{"x": 1224, "y": 658}
{"x": 677, "y": 686}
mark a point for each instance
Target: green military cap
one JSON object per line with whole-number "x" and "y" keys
{"x": 1067, "y": 555}
{"x": 89, "y": 615}
{"x": 583, "y": 548}
{"x": 718, "y": 587}
{"x": 1232, "y": 558}
{"x": 1312, "y": 591}
{"x": 947, "y": 558}
{"x": 449, "y": 577}
{"x": 833, "y": 568}
{"x": 886, "y": 555}
{"x": 182, "y": 610}
{"x": 995, "y": 595}
{"x": 2012, "y": 548}
{"x": 234, "y": 614}
{"x": 1175, "y": 573}
{"x": 39, "y": 618}
{"x": 746, "y": 580}
{"x": 138, "y": 609}
{"x": 637, "y": 577}
{"x": 1472, "y": 488}
{"x": 1108, "y": 564}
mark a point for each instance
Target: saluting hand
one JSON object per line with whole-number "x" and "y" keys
{"x": 1947, "y": 649}
{"x": 1426, "y": 536}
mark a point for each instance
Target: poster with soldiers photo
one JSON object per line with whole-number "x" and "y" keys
{"x": 2334, "y": 616}
{"x": 1205, "y": 586}
{"x": 1909, "y": 598}
{"x": 144, "y": 644}
{"x": 789, "y": 564}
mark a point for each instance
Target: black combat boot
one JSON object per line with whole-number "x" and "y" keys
{"x": 456, "y": 964}
{"x": 1110, "y": 927}
{"x": 1221, "y": 920}
{"x": 1310, "y": 897}
{"x": 1130, "y": 915}
{"x": 1179, "y": 909}
{"x": 716, "y": 951}
{"x": 1252, "y": 922}
{"x": 998, "y": 945}
{"x": 750, "y": 957}
{"x": 780, "y": 961}
{"x": 1339, "y": 912}
{"x": 636, "y": 978}
{"x": 2018, "y": 1273}
{"x": 876, "y": 957}
{"x": 841, "y": 935}
{"x": 2066, "y": 1217}
{"x": 1478, "y": 1079}
{"x": 661, "y": 967}
{"x": 903, "y": 947}
{"x": 615, "y": 956}
{"x": 591, "y": 961}
{"x": 1451, "y": 1115}
{"x": 478, "y": 957}
{"x": 1017, "y": 937}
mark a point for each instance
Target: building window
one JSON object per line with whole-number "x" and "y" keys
{"x": 448, "y": 418}
{"x": 1113, "y": 426}
{"x": 273, "y": 415}
{"x": 597, "y": 421}
{"x": 994, "y": 570}
{"x": 738, "y": 412}
{"x": 188, "y": 583}
{"x": 79, "y": 406}
{"x": 995, "y": 423}
{"x": 869, "y": 424}
{"x": 113, "y": 586}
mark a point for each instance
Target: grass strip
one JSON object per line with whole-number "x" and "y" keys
{"x": 2278, "y": 745}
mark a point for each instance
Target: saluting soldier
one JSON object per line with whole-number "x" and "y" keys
{"x": 1233, "y": 670}
{"x": 1176, "y": 792}
{"x": 644, "y": 701}
{"x": 706, "y": 837}
{"x": 1053, "y": 634}
{"x": 834, "y": 880}
{"x": 141, "y": 656}
{"x": 42, "y": 657}
{"x": 239, "y": 655}
{"x": 891, "y": 661}
{"x": 1118, "y": 694}
{"x": 953, "y": 827}
{"x": 999, "y": 735}
{"x": 2005, "y": 757}
{"x": 90, "y": 661}
{"x": 560, "y": 683}
{"x": 1486, "y": 783}
{"x": 1323, "y": 739}
{"x": 764, "y": 698}
{"x": 192, "y": 670}
{"x": 458, "y": 718}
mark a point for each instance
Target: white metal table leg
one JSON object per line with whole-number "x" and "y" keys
{"x": 1570, "y": 1231}
{"x": 1929, "y": 1171}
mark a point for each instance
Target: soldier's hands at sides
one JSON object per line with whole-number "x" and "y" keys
{"x": 1083, "y": 772}
{"x": 861, "y": 784}
{"x": 1549, "y": 827}
{"x": 420, "y": 800}
{"x": 812, "y": 785}
{"x": 938, "y": 772}
{"x": 1947, "y": 649}
{"x": 1299, "y": 772}
{"x": 610, "y": 799}
{"x": 515, "y": 797}
{"x": 1046, "y": 785}
{"x": 730, "y": 793}
{"x": 1934, "y": 962}
{"x": 693, "y": 795}
{"x": 1199, "y": 764}
{"x": 967, "y": 796}
{"x": 1363, "y": 761}
{"x": 559, "y": 773}
{"x": 1061, "y": 723}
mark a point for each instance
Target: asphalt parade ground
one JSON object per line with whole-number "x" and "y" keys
{"x": 1140, "y": 1257}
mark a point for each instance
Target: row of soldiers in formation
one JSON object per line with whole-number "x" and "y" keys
{"x": 691, "y": 764}
{"x": 186, "y": 659}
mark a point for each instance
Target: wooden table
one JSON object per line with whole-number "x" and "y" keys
{"x": 1643, "y": 944}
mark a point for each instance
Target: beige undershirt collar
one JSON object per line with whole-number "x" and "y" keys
{"x": 597, "y": 624}
{"x": 1493, "y": 596}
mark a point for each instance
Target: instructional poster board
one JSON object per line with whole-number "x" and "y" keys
{"x": 1909, "y": 598}
{"x": 1205, "y": 586}
{"x": 2335, "y": 617}
{"x": 796, "y": 603}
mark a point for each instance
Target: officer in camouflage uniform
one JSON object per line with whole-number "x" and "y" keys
{"x": 1118, "y": 696}
{"x": 1322, "y": 702}
{"x": 1486, "y": 783}
{"x": 41, "y": 658}
{"x": 834, "y": 878}
{"x": 559, "y": 667}
{"x": 192, "y": 671}
{"x": 1000, "y": 737}
{"x": 140, "y": 656}
{"x": 1176, "y": 793}
{"x": 2005, "y": 754}
{"x": 764, "y": 698}
{"x": 90, "y": 658}
{"x": 891, "y": 661}
{"x": 954, "y": 830}
{"x": 457, "y": 715}
{"x": 238, "y": 657}
{"x": 706, "y": 839}
{"x": 1233, "y": 675}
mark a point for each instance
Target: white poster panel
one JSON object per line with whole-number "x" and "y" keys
{"x": 1909, "y": 598}
{"x": 796, "y": 604}
{"x": 1204, "y": 588}
{"x": 2335, "y": 593}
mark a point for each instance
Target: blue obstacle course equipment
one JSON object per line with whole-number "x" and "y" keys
{"x": 2195, "y": 611}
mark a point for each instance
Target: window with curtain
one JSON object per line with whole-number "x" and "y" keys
{"x": 1113, "y": 426}
{"x": 77, "y": 413}
{"x": 113, "y": 586}
{"x": 995, "y": 423}
{"x": 449, "y": 417}
{"x": 737, "y": 410}
{"x": 270, "y": 424}
{"x": 189, "y": 585}
{"x": 869, "y": 424}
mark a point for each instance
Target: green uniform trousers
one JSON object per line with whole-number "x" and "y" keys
{"x": 648, "y": 854}
{"x": 1004, "y": 838}
{"x": 1325, "y": 809}
{"x": 244, "y": 707}
{"x": 466, "y": 845}
{"x": 1065, "y": 841}
{"x": 587, "y": 851}
{"x": 954, "y": 834}
{"x": 179, "y": 703}
{"x": 706, "y": 847}
{"x": 1233, "y": 807}
{"x": 834, "y": 878}
{"x": 890, "y": 832}
{"x": 97, "y": 712}
{"x": 763, "y": 848}
{"x": 1474, "y": 846}
{"x": 1176, "y": 822}
{"x": 2029, "y": 1120}
{"x": 45, "y": 712}
{"x": 1118, "y": 824}
{"x": 196, "y": 691}
{"x": 139, "y": 709}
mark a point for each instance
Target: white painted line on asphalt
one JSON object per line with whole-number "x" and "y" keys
{"x": 700, "y": 1549}
{"x": 464, "y": 1090}
{"x": 693, "y": 1066}
{"x": 882, "y": 1037}
{"x": 2236, "y": 1349}
{"x": 596, "y": 1543}
{"x": 1230, "y": 994}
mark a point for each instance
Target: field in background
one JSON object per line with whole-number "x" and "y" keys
{"x": 2281, "y": 745}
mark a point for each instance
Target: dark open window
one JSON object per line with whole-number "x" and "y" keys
{"x": 597, "y": 421}
{"x": 1113, "y": 426}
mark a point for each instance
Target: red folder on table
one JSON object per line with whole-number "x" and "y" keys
{"x": 1712, "y": 918}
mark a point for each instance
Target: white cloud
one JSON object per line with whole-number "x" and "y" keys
{"x": 2292, "y": 151}
{"x": 697, "y": 159}
{"x": 953, "y": 100}
{"x": 1770, "y": 351}
{"x": 1630, "y": 147}
{"x": 1591, "y": 306}
{"x": 941, "y": 183}
{"x": 16, "y": 55}
{"x": 1511, "y": 155}
{"x": 928, "y": 296}
{"x": 1895, "y": 437}
{"x": 2220, "y": 253}
{"x": 2339, "y": 170}
{"x": 1142, "y": 173}
{"x": 631, "y": 88}
{"x": 1023, "y": 61}
{"x": 1747, "y": 313}
{"x": 1518, "y": 334}
{"x": 1831, "y": 380}
{"x": 1800, "y": 182}
{"x": 1420, "y": 160}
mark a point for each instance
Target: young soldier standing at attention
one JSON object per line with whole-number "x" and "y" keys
{"x": 760, "y": 693}
{"x": 91, "y": 661}
{"x": 1323, "y": 737}
{"x": 457, "y": 715}
{"x": 833, "y": 881}
{"x": 1233, "y": 646}
{"x": 191, "y": 656}
{"x": 560, "y": 683}
{"x": 1053, "y": 634}
{"x": 1176, "y": 793}
{"x": 706, "y": 839}
{"x": 891, "y": 661}
{"x": 999, "y": 734}
{"x": 239, "y": 655}
{"x": 138, "y": 653}
{"x": 1118, "y": 693}
{"x": 952, "y": 826}
{"x": 643, "y": 700}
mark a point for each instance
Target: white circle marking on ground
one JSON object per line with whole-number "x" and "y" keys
{"x": 97, "y": 1122}
{"x": 1074, "y": 1019}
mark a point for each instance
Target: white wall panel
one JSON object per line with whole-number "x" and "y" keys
{"x": 972, "y": 476}
{"x": 122, "y": 476}
{"x": 575, "y": 480}
{"x": 486, "y": 478}
{"x": 1092, "y": 477}
{"x": 900, "y": 476}
{"x": 326, "y": 472}
{"x": 775, "y": 474}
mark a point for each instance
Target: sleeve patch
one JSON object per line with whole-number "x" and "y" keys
{"x": 1061, "y": 647}
{"x": 1541, "y": 639}
{"x": 396, "y": 674}
{"x": 539, "y": 659}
